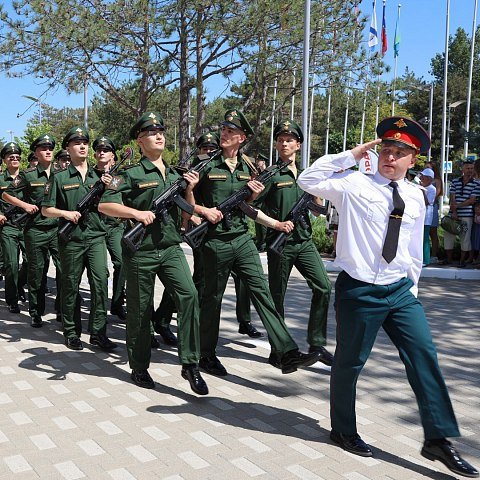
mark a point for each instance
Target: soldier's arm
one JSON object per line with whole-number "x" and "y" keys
{"x": 28, "y": 207}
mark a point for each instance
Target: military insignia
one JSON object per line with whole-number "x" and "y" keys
{"x": 16, "y": 181}
{"x": 148, "y": 184}
{"x": 115, "y": 183}
{"x": 103, "y": 139}
{"x": 46, "y": 137}
{"x": 286, "y": 125}
{"x": 243, "y": 177}
{"x": 39, "y": 184}
{"x": 12, "y": 145}
{"x": 397, "y": 135}
{"x": 208, "y": 136}
{"x": 283, "y": 184}
{"x": 212, "y": 176}
{"x": 400, "y": 123}
{"x": 79, "y": 131}
{"x": 71, "y": 186}
{"x": 47, "y": 188}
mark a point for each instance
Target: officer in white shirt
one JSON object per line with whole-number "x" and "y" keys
{"x": 379, "y": 249}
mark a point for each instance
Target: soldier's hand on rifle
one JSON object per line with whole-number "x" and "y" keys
{"x": 71, "y": 216}
{"x": 146, "y": 217}
{"x": 3, "y": 219}
{"x": 256, "y": 187}
{"x": 195, "y": 220}
{"x": 213, "y": 215}
{"x": 192, "y": 179}
{"x": 106, "y": 178}
{"x": 30, "y": 209}
{"x": 360, "y": 150}
{"x": 286, "y": 227}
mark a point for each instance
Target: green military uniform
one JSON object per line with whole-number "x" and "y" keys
{"x": 85, "y": 249}
{"x": 12, "y": 241}
{"x": 40, "y": 234}
{"x": 115, "y": 229}
{"x": 233, "y": 249}
{"x": 278, "y": 198}
{"x": 159, "y": 254}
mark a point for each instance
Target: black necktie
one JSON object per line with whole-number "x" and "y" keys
{"x": 391, "y": 239}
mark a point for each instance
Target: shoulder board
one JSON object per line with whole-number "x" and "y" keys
{"x": 58, "y": 170}
{"x": 128, "y": 167}
{"x": 31, "y": 169}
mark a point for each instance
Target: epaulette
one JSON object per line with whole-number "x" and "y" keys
{"x": 58, "y": 170}
{"x": 31, "y": 169}
{"x": 128, "y": 167}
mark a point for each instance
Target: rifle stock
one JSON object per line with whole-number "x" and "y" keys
{"x": 91, "y": 198}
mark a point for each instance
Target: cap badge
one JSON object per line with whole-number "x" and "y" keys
{"x": 397, "y": 135}
{"x": 79, "y": 131}
{"x": 46, "y": 137}
{"x": 400, "y": 123}
{"x": 286, "y": 125}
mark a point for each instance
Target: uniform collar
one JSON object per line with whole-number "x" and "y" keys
{"x": 150, "y": 167}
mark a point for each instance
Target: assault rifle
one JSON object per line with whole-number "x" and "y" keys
{"x": 132, "y": 240}
{"x": 91, "y": 199}
{"x": 24, "y": 217}
{"x": 11, "y": 212}
{"x": 297, "y": 215}
{"x": 195, "y": 236}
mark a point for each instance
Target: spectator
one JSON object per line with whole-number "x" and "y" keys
{"x": 476, "y": 234}
{"x": 462, "y": 199}
{"x": 438, "y": 184}
{"x": 429, "y": 192}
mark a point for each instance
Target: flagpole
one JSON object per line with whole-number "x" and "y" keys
{"x": 444, "y": 109}
{"x": 306, "y": 69}
{"x": 384, "y": 51}
{"x": 396, "y": 42}
{"x": 346, "y": 112}
{"x": 470, "y": 76}
{"x": 329, "y": 104}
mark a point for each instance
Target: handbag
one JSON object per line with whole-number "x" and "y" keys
{"x": 455, "y": 227}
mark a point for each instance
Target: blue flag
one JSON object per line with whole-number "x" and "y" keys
{"x": 373, "y": 36}
{"x": 396, "y": 42}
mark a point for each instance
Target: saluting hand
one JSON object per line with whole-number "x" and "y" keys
{"x": 360, "y": 150}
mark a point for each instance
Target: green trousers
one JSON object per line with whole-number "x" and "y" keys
{"x": 163, "y": 314}
{"x": 75, "y": 256}
{"x": 15, "y": 278}
{"x": 240, "y": 256}
{"x": 114, "y": 247}
{"x": 172, "y": 268}
{"x": 305, "y": 257}
{"x": 40, "y": 244}
{"x": 362, "y": 309}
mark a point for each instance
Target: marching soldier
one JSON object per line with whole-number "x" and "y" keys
{"x": 40, "y": 232}
{"x": 12, "y": 236}
{"x": 131, "y": 196}
{"x": 86, "y": 246}
{"x": 62, "y": 159}
{"x": 232, "y": 249}
{"x": 105, "y": 154}
{"x": 278, "y": 198}
{"x": 206, "y": 143}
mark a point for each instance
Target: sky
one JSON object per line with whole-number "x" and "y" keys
{"x": 422, "y": 27}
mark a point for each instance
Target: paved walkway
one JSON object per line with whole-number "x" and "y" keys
{"x": 71, "y": 415}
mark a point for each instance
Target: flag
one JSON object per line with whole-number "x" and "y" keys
{"x": 384, "y": 32}
{"x": 396, "y": 41}
{"x": 373, "y": 37}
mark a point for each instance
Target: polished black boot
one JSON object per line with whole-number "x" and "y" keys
{"x": 191, "y": 373}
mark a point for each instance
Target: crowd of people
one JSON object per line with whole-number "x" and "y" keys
{"x": 382, "y": 221}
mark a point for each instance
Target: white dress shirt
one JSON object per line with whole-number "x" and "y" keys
{"x": 364, "y": 203}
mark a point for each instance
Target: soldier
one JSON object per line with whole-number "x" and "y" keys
{"x": 62, "y": 159}
{"x": 231, "y": 248}
{"x": 40, "y": 233}
{"x": 12, "y": 236}
{"x": 279, "y": 197}
{"x": 86, "y": 246}
{"x": 260, "y": 230}
{"x": 105, "y": 154}
{"x": 206, "y": 143}
{"x": 131, "y": 196}
{"x": 32, "y": 160}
